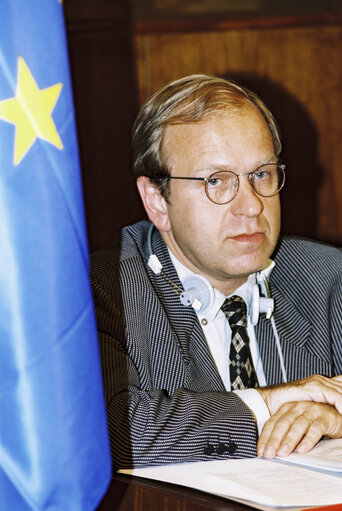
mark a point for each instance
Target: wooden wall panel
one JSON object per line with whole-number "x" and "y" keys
{"x": 106, "y": 101}
{"x": 297, "y": 70}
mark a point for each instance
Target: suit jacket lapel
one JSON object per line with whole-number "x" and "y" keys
{"x": 297, "y": 340}
{"x": 186, "y": 327}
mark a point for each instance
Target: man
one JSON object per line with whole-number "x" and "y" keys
{"x": 206, "y": 158}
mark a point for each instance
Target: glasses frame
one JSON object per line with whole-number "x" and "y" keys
{"x": 249, "y": 174}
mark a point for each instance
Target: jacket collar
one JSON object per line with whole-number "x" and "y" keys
{"x": 294, "y": 331}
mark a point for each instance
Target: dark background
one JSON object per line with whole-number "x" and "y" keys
{"x": 287, "y": 51}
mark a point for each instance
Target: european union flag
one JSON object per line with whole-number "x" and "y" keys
{"x": 54, "y": 452}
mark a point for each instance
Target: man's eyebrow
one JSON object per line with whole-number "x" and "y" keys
{"x": 213, "y": 168}
{"x": 272, "y": 159}
{"x": 216, "y": 167}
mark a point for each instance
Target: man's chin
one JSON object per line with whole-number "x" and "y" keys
{"x": 246, "y": 265}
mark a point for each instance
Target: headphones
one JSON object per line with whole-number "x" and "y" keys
{"x": 199, "y": 293}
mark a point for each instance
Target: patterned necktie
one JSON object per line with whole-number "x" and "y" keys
{"x": 242, "y": 372}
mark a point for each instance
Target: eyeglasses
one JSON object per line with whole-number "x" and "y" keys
{"x": 221, "y": 187}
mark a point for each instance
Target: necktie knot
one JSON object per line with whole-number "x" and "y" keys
{"x": 235, "y": 310}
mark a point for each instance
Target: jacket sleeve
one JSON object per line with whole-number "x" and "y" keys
{"x": 150, "y": 425}
{"x": 335, "y": 310}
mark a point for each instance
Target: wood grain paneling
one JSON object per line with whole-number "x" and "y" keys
{"x": 297, "y": 70}
{"x": 102, "y": 63}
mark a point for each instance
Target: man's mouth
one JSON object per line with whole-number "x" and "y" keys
{"x": 253, "y": 237}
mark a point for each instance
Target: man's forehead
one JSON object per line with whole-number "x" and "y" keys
{"x": 220, "y": 140}
{"x": 244, "y": 109}
{"x": 180, "y": 129}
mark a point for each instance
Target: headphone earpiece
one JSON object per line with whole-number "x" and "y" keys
{"x": 260, "y": 305}
{"x": 198, "y": 293}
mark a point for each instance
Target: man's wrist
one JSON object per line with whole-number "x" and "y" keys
{"x": 256, "y": 404}
{"x": 265, "y": 394}
{"x": 274, "y": 396}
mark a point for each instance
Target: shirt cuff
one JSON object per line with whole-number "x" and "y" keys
{"x": 255, "y": 402}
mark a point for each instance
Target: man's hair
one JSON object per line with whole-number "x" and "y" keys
{"x": 187, "y": 100}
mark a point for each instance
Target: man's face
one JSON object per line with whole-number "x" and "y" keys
{"x": 224, "y": 243}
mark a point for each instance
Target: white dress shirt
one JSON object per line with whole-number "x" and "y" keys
{"x": 218, "y": 335}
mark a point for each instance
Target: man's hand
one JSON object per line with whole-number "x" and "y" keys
{"x": 299, "y": 426}
{"x": 314, "y": 388}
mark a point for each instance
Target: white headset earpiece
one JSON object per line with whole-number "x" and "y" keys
{"x": 268, "y": 304}
{"x": 198, "y": 293}
{"x": 260, "y": 305}
{"x": 262, "y": 278}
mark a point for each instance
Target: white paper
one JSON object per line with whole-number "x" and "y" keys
{"x": 276, "y": 484}
{"x": 255, "y": 480}
{"x": 326, "y": 455}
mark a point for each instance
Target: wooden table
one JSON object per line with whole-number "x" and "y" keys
{"x": 127, "y": 493}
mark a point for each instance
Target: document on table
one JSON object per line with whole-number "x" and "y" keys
{"x": 260, "y": 482}
{"x": 327, "y": 455}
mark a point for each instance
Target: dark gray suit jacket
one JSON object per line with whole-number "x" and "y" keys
{"x": 165, "y": 400}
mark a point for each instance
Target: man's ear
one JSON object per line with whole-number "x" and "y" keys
{"x": 154, "y": 204}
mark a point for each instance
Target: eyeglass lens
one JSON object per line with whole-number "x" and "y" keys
{"x": 266, "y": 181}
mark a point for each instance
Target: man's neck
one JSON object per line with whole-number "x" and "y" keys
{"x": 226, "y": 287}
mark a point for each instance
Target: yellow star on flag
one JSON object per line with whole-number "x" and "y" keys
{"x": 30, "y": 110}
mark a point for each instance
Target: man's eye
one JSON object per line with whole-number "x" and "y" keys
{"x": 262, "y": 175}
{"x": 214, "y": 181}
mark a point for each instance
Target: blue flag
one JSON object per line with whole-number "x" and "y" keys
{"x": 54, "y": 450}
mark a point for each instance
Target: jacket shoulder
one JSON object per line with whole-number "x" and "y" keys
{"x": 128, "y": 245}
{"x": 301, "y": 262}
{"x": 297, "y": 252}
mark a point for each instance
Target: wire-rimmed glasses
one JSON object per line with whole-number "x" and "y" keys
{"x": 222, "y": 186}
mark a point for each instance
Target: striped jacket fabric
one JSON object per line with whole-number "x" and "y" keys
{"x": 165, "y": 400}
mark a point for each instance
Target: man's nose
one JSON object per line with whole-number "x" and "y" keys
{"x": 247, "y": 202}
